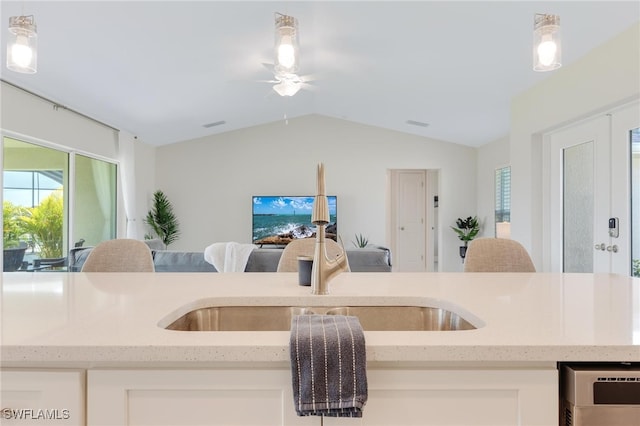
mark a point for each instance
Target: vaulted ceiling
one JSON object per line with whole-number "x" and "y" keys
{"x": 162, "y": 70}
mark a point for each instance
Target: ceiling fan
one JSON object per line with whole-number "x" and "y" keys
{"x": 287, "y": 84}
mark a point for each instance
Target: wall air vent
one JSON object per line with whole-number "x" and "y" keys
{"x": 417, "y": 123}
{"x": 217, "y": 123}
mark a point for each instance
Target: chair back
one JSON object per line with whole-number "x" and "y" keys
{"x": 12, "y": 258}
{"x": 497, "y": 255}
{"x": 304, "y": 247}
{"x": 120, "y": 255}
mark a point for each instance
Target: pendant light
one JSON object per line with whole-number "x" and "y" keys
{"x": 22, "y": 45}
{"x": 286, "y": 45}
{"x": 547, "y": 51}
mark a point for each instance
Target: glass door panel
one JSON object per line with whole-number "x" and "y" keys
{"x": 95, "y": 201}
{"x": 579, "y": 192}
{"x": 35, "y": 194}
{"x": 635, "y": 202}
{"x": 578, "y": 200}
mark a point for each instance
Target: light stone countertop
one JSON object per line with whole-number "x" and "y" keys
{"x": 85, "y": 320}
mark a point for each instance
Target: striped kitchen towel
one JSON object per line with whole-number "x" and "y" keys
{"x": 328, "y": 365}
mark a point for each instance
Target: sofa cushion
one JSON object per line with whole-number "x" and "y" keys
{"x": 181, "y": 261}
{"x": 263, "y": 260}
{"x": 369, "y": 259}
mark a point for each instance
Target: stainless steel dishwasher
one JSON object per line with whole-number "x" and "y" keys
{"x": 600, "y": 394}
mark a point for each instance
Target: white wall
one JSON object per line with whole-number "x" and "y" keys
{"x": 29, "y": 115}
{"x": 491, "y": 156}
{"x": 145, "y": 171}
{"x": 210, "y": 180}
{"x": 23, "y": 114}
{"x": 605, "y": 77}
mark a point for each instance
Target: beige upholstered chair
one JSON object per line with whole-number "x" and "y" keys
{"x": 120, "y": 255}
{"x": 497, "y": 255}
{"x": 304, "y": 247}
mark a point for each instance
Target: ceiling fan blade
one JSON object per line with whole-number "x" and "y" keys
{"x": 309, "y": 86}
{"x": 309, "y": 78}
{"x": 270, "y": 67}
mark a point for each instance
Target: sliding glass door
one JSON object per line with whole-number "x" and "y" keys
{"x": 55, "y": 200}
{"x": 94, "y": 218}
{"x": 35, "y": 199}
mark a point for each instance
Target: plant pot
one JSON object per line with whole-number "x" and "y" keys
{"x": 12, "y": 258}
{"x": 463, "y": 251}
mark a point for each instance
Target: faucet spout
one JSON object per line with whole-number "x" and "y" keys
{"x": 325, "y": 268}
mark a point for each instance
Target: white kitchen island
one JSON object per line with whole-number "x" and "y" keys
{"x": 101, "y": 336}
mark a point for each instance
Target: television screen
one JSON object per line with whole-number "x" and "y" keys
{"x": 280, "y": 219}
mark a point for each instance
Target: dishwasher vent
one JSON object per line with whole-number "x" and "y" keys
{"x": 568, "y": 417}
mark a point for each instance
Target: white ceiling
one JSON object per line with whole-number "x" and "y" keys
{"x": 161, "y": 70}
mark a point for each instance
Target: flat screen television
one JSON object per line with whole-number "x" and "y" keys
{"x": 280, "y": 219}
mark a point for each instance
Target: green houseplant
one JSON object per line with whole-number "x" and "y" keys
{"x": 162, "y": 220}
{"x": 467, "y": 229}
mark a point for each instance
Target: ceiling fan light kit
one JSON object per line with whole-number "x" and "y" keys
{"x": 287, "y": 56}
{"x": 287, "y": 50}
{"x": 22, "y": 45}
{"x": 288, "y": 85}
{"x": 547, "y": 49}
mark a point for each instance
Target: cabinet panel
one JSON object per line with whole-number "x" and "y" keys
{"x": 42, "y": 397}
{"x": 264, "y": 397}
{"x": 459, "y": 397}
{"x": 192, "y": 397}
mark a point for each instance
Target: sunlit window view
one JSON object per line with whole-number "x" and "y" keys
{"x": 503, "y": 202}
{"x": 635, "y": 202}
{"x": 36, "y": 205}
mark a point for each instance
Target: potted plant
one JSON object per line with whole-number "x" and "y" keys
{"x": 361, "y": 241}
{"x": 467, "y": 229}
{"x": 162, "y": 220}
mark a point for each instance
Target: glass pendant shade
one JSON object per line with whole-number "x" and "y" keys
{"x": 286, "y": 45}
{"x": 547, "y": 49}
{"x": 22, "y": 45}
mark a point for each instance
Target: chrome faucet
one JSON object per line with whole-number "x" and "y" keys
{"x": 324, "y": 268}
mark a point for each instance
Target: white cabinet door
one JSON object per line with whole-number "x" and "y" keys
{"x": 42, "y": 397}
{"x": 459, "y": 397}
{"x": 192, "y": 397}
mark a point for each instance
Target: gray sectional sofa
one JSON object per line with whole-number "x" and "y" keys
{"x": 375, "y": 259}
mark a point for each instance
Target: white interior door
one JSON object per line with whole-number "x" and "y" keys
{"x": 589, "y": 185}
{"x": 408, "y": 224}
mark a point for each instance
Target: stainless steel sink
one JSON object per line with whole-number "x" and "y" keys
{"x": 278, "y": 318}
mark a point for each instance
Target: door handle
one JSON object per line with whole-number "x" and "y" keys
{"x": 600, "y": 246}
{"x": 613, "y": 248}
{"x": 402, "y": 228}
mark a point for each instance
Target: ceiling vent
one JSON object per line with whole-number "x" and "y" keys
{"x": 217, "y": 123}
{"x": 417, "y": 123}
